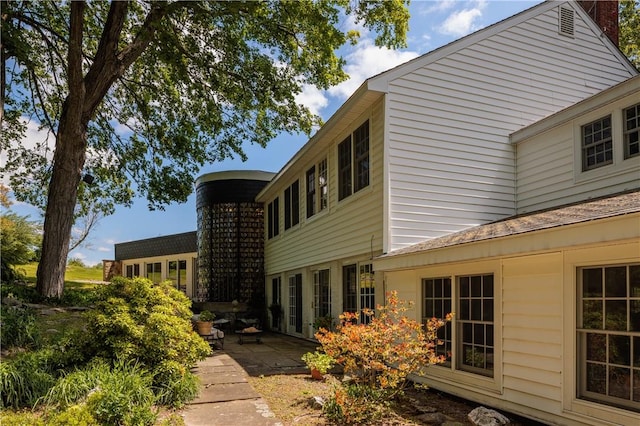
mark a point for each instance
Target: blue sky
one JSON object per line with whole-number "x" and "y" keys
{"x": 433, "y": 24}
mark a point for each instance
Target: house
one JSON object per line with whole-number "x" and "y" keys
{"x": 496, "y": 177}
{"x": 169, "y": 257}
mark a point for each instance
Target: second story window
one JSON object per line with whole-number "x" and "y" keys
{"x": 632, "y": 131}
{"x": 292, "y": 205}
{"x": 597, "y": 144}
{"x": 317, "y": 194}
{"x": 353, "y": 162}
{"x": 273, "y": 223}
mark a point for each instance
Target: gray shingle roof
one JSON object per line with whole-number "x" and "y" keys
{"x": 583, "y": 212}
{"x": 159, "y": 246}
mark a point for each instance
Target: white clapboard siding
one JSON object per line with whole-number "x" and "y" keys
{"x": 349, "y": 228}
{"x": 548, "y": 163}
{"x": 532, "y": 330}
{"x": 450, "y": 163}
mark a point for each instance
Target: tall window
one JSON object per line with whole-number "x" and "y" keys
{"x": 353, "y": 162}
{"x": 292, "y": 205}
{"x": 609, "y": 335}
{"x": 437, "y": 304}
{"x": 133, "y": 271}
{"x": 154, "y": 272}
{"x": 323, "y": 188}
{"x": 276, "y": 302}
{"x": 295, "y": 302}
{"x": 632, "y": 131}
{"x": 475, "y": 324}
{"x": 273, "y": 220}
{"x": 358, "y": 289}
{"x": 317, "y": 194}
{"x": 311, "y": 191}
{"x": 321, "y": 293}
{"x": 597, "y": 144}
{"x": 177, "y": 273}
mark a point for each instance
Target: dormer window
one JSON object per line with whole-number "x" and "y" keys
{"x": 597, "y": 144}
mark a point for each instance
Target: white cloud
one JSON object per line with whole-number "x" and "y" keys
{"x": 105, "y": 249}
{"x": 367, "y": 60}
{"x": 312, "y": 98}
{"x": 463, "y": 22}
{"x": 34, "y": 140}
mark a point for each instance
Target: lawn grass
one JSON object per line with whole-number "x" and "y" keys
{"x": 74, "y": 277}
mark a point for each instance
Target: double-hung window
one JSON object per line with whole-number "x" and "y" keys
{"x": 133, "y": 270}
{"x": 358, "y": 289}
{"x": 292, "y": 205}
{"x": 353, "y": 162}
{"x": 154, "y": 272}
{"x": 472, "y": 348}
{"x": 608, "y": 335}
{"x": 632, "y": 131}
{"x": 597, "y": 144}
{"x": 317, "y": 190}
{"x": 273, "y": 219}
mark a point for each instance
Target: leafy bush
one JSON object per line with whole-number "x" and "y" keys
{"x": 26, "y": 378}
{"x": 358, "y": 404}
{"x": 123, "y": 397}
{"x": 378, "y": 356}
{"x": 20, "y": 418}
{"x": 136, "y": 320}
{"x": 75, "y": 415}
{"x": 74, "y": 387}
{"x": 19, "y": 328}
{"x": 176, "y": 385}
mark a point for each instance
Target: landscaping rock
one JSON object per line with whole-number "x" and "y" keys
{"x": 482, "y": 416}
{"x": 432, "y": 418}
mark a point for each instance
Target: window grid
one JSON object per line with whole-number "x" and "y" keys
{"x": 344, "y": 168}
{"x": 361, "y": 148}
{"x": 311, "y": 191}
{"x": 323, "y": 184}
{"x": 632, "y": 131}
{"x": 437, "y": 304}
{"x": 609, "y": 335}
{"x": 475, "y": 324}
{"x": 321, "y": 293}
{"x": 273, "y": 222}
{"x": 367, "y": 291}
{"x": 597, "y": 144}
{"x": 350, "y": 291}
{"x": 292, "y": 205}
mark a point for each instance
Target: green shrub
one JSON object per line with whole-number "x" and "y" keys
{"x": 356, "y": 403}
{"x": 75, "y": 415}
{"x": 123, "y": 397}
{"x": 20, "y": 418}
{"x": 136, "y": 320}
{"x": 26, "y": 378}
{"x": 76, "y": 386}
{"x": 19, "y": 328}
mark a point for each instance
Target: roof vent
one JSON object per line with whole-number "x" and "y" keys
{"x": 566, "y": 21}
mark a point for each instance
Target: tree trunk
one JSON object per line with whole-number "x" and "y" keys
{"x": 68, "y": 161}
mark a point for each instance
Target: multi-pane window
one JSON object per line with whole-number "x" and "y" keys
{"x": 154, "y": 272}
{"x": 597, "y": 144}
{"x": 177, "y": 273}
{"x": 323, "y": 187}
{"x": 632, "y": 131}
{"x": 292, "y": 205}
{"x": 609, "y": 335}
{"x": 321, "y": 293}
{"x": 475, "y": 324}
{"x": 273, "y": 219}
{"x": 353, "y": 162}
{"x": 317, "y": 189}
{"x": 437, "y": 304}
{"x": 276, "y": 302}
{"x": 133, "y": 271}
{"x": 311, "y": 191}
{"x": 358, "y": 289}
{"x": 295, "y": 302}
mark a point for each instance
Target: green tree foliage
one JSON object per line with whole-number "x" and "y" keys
{"x": 19, "y": 238}
{"x": 146, "y": 92}
{"x": 630, "y": 30}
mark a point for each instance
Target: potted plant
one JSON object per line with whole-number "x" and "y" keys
{"x": 205, "y": 322}
{"x": 319, "y": 363}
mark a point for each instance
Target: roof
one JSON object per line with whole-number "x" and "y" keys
{"x": 160, "y": 246}
{"x": 603, "y": 208}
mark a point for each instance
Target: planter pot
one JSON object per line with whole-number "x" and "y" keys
{"x": 317, "y": 375}
{"x": 204, "y": 327}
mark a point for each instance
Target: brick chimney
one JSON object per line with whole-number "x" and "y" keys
{"x": 605, "y": 14}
